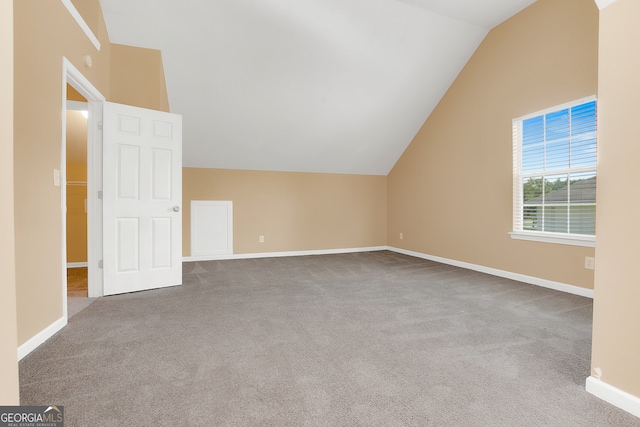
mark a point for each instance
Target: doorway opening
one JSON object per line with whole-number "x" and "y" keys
{"x": 81, "y": 176}
{"x": 77, "y": 209}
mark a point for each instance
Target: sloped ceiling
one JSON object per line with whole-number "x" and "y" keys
{"x": 337, "y": 86}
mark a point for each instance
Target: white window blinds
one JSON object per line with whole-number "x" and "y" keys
{"x": 555, "y": 154}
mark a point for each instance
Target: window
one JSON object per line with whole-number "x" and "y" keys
{"x": 554, "y": 170}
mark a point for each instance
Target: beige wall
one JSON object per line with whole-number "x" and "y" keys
{"x": 76, "y": 215}
{"x": 76, "y": 151}
{"x": 294, "y": 211}
{"x": 44, "y": 32}
{"x": 74, "y": 95}
{"x": 137, "y": 77}
{"x": 9, "y": 391}
{"x": 451, "y": 191}
{"x": 616, "y": 320}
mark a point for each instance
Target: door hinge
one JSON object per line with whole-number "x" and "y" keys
{"x": 99, "y": 125}
{"x": 100, "y": 194}
{"x": 100, "y": 264}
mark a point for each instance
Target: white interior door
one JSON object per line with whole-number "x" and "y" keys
{"x": 142, "y": 198}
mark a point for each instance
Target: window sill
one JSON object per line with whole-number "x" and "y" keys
{"x": 562, "y": 239}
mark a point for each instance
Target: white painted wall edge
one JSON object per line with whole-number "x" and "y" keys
{"x": 572, "y": 289}
{"x": 41, "y": 337}
{"x": 283, "y": 254}
{"x": 604, "y": 3}
{"x": 77, "y": 264}
{"x": 614, "y": 396}
{"x": 81, "y": 22}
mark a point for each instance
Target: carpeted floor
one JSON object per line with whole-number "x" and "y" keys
{"x": 77, "y": 291}
{"x": 371, "y": 339}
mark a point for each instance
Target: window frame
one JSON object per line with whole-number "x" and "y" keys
{"x": 517, "y": 227}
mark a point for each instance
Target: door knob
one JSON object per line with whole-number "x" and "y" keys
{"x": 176, "y": 208}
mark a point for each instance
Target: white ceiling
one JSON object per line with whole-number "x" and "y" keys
{"x": 338, "y": 86}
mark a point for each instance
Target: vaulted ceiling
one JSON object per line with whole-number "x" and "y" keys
{"x": 338, "y": 86}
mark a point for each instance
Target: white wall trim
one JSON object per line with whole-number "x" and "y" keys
{"x": 576, "y": 290}
{"x": 77, "y": 264}
{"x": 559, "y": 238}
{"x": 558, "y": 286}
{"x": 41, "y": 337}
{"x": 604, "y": 3}
{"x": 614, "y": 396}
{"x": 81, "y": 22}
{"x": 284, "y": 254}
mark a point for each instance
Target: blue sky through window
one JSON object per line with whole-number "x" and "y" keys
{"x": 560, "y": 140}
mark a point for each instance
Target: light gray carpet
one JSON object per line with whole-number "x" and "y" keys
{"x": 75, "y": 304}
{"x": 77, "y": 293}
{"x": 371, "y": 339}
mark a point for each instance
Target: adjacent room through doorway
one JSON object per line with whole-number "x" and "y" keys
{"x": 76, "y": 202}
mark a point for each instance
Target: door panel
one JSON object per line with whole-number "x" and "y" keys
{"x": 161, "y": 175}
{"x": 211, "y": 227}
{"x": 128, "y": 169}
{"x": 142, "y": 198}
{"x": 161, "y": 237}
{"x": 128, "y": 245}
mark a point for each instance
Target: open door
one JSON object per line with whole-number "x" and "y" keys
{"x": 142, "y": 198}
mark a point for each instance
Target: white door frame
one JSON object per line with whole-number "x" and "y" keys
{"x": 72, "y": 76}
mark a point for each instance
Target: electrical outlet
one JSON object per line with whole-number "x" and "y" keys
{"x": 401, "y": 236}
{"x": 589, "y": 263}
{"x": 261, "y": 239}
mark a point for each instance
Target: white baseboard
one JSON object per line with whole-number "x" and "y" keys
{"x": 283, "y": 254}
{"x": 614, "y": 396}
{"x": 77, "y": 264}
{"x": 41, "y": 337}
{"x": 558, "y": 286}
{"x": 576, "y": 290}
